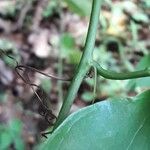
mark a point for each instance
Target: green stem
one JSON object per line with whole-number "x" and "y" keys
{"x": 121, "y": 76}
{"x": 84, "y": 64}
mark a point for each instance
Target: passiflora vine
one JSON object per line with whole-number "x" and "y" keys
{"x": 87, "y": 62}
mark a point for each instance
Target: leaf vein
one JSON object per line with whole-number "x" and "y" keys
{"x": 135, "y": 134}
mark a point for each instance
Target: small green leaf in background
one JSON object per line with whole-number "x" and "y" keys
{"x": 68, "y": 49}
{"x": 143, "y": 64}
{"x": 114, "y": 124}
{"x": 81, "y": 7}
{"x": 46, "y": 85}
{"x": 74, "y": 56}
{"x": 141, "y": 17}
{"x": 6, "y": 45}
{"x": 113, "y": 88}
{"x": 19, "y": 144}
{"x": 146, "y": 4}
{"x": 67, "y": 41}
{"x": 15, "y": 126}
{"x": 87, "y": 96}
{"x": 10, "y": 49}
{"x": 50, "y": 8}
{"x": 10, "y": 62}
{"x": 141, "y": 82}
{"x": 11, "y": 133}
{"x": 5, "y": 139}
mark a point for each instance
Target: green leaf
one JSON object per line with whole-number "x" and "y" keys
{"x": 50, "y": 8}
{"x": 15, "y": 127}
{"x": 74, "y": 56}
{"x": 10, "y": 49}
{"x": 146, "y": 4}
{"x": 87, "y": 96}
{"x": 67, "y": 44}
{"x": 141, "y": 82}
{"x": 82, "y": 8}
{"x": 114, "y": 124}
{"x": 10, "y": 62}
{"x": 19, "y": 144}
{"x": 46, "y": 85}
{"x": 6, "y": 45}
{"x": 144, "y": 62}
{"x": 5, "y": 139}
{"x": 68, "y": 49}
{"x": 67, "y": 41}
{"x": 141, "y": 17}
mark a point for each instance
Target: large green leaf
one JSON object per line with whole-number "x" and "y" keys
{"x": 114, "y": 124}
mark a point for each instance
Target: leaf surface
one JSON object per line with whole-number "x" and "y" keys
{"x": 113, "y": 124}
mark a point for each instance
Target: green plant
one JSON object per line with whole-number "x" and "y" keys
{"x": 125, "y": 120}
{"x": 87, "y": 62}
{"x": 114, "y": 108}
{"x": 50, "y": 8}
{"x": 114, "y": 124}
{"x": 11, "y": 134}
{"x": 9, "y": 48}
{"x": 77, "y": 6}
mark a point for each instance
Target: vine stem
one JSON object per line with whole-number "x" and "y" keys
{"x": 84, "y": 65}
{"x": 121, "y": 76}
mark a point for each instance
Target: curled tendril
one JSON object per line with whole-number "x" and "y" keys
{"x": 45, "y": 111}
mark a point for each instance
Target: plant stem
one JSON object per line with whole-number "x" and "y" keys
{"x": 120, "y": 76}
{"x": 84, "y": 65}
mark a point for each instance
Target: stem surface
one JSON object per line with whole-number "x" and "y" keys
{"x": 84, "y": 65}
{"x": 120, "y": 76}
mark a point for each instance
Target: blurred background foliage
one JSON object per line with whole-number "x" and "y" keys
{"x": 50, "y": 35}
